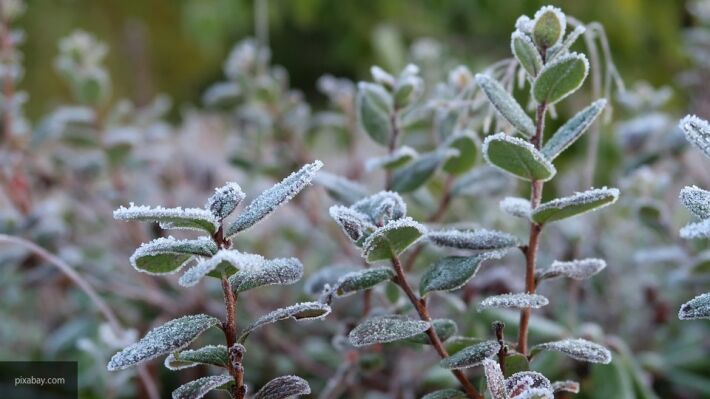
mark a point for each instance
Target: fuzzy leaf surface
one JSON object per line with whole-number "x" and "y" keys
{"x": 580, "y": 269}
{"x": 282, "y": 271}
{"x": 548, "y": 26}
{"x": 167, "y": 255}
{"x": 494, "y": 379}
{"x": 453, "y": 272}
{"x": 298, "y": 312}
{"x": 572, "y": 130}
{"x": 526, "y": 53}
{"x": 374, "y": 106}
{"x": 471, "y": 356}
{"x": 200, "y": 387}
{"x": 579, "y": 203}
{"x": 478, "y": 240}
{"x": 515, "y": 301}
{"x": 579, "y": 349}
{"x": 384, "y": 329}
{"x": 284, "y": 387}
{"x": 224, "y": 200}
{"x": 697, "y": 132}
{"x": 517, "y": 157}
{"x": 362, "y": 280}
{"x": 696, "y": 200}
{"x": 445, "y": 329}
{"x": 560, "y": 78}
{"x": 212, "y": 354}
{"x": 225, "y": 262}
{"x": 392, "y": 239}
{"x": 506, "y": 105}
{"x": 170, "y": 218}
{"x": 696, "y": 308}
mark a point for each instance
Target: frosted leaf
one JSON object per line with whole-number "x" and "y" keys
{"x": 528, "y": 385}
{"x": 451, "y": 273}
{"x": 381, "y": 76}
{"x": 170, "y": 218}
{"x": 515, "y": 206}
{"x": 200, "y": 387}
{"x": 298, "y": 312}
{"x": 326, "y": 276}
{"x": 383, "y": 329}
{"x": 572, "y": 130}
{"x": 212, "y": 354}
{"x": 494, "y": 379}
{"x": 374, "y": 105}
{"x": 479, "y": 239}
{"x": 565, "y": 386}
{"x": 563, "y": 48}
{"x": 271, "y": 198}
{"x": 355, "y": 224}
{"x": 696, "y": 200}
{"x": 395, "y": 159}
{"x": 526, "y": 53}
{"x": 696, "y": 308}
{"x": 392, "y": 239}
{"x": 224, "y": 200}
{"x": 465, "y": 143}
{"x": 548, "y": 26}
{"x": 341, "y": 189}
{"x": 283, "y": 387}
{"x": 506, "y": 105}
{"x": 471, "y": 356}
{"x": 579, "y": 349}
{"x": 167, "y": 255}
{"x": 445, "y": 394}
{"x": 283, "y": 271}
{"x": 445, "y": 329}
{"x": 170, "y": 337}
{"x": 696, "y": 230}
{"x": 382, "y": 207}
{"x": 517, "y": 157}
{"x": 482, "y": 181}
{"x": 362, "y": 280}
{"x": 418, "y": 172}
{"x": 577, "y": 204}
{"x": 560, "y": 78}
{"x": 516, "y": 301}
{"x": 577, "y": 269}
{"x": 226, "y": 261}
{"x": 697, "y": 132}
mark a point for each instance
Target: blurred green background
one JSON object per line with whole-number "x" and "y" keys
{"x": 177, "y": 46}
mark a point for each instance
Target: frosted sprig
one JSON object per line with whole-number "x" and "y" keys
{"x": 696, "y": 308}
{"x": 558, "y": 13}
{"x": 225, "y": 199}
{"x": 471, "y": 356}
{"x": 697, "y": 132}
{"x": 170, "y": 218}
{"x": 479, "y": 239}
{"x": 239, "y": 260}
{"x": 515, "y": 206}
{"x": 696, "y": 200}
{"x": 580, "y": 269}
{"x": 579, "y": 349}
{"x": 516, "y": 301}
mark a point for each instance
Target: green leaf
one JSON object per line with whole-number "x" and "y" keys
{"x": 516, "y": 301}
{"x": 298, "y": 312}
{"x": 549, "y": 26}
{"x": 327, "y": 275}
{"x": 560, "y": 78}
{"x": 418, "y": 172}
{"x": 471, "y": 356}
{"x": 465, "y": 144}
{"x": 384, "y": 329}
{"x": 445, "y": 329}
{"x": 284, "y": 387}
{"x": 696, "y": 308}
{"x": 224, "y": 200}
{"x": 516, "y": 363}
{"x": 696, "y": 230}
{"x": 526, "y": 53}
{"x": 382, "y": 207}
{"x": 399, "y": 157}
{"x": 222, "y": 264}
{"x": 696, "y": 200}
{"x": 453, "y": 272}
{"x": 212, "y": 354}
{"x": 392, "y": 239}
{"x": 270, "y": 199}
{"x": 446, "y": 394}
{"x": 200, "y": 387}
{"x": 506, "y": 105}
{"x": 458, "y": 343}
{"x": 170, "y": 337}
{"x": 579, "y": 349}
{"x": 362, "y": 280}
{"x": 476, "y": 240}
{"x": 517, "y": 157}
{"x": 697, "y": 132}
{"x": 283, "y": 271}
{"x": 562, "y": 208}
{"x": 168, "y": 255}
{"x": 170, "y": 218}
{"x": 572, "y": 130}
{"x": 374, "y": 106}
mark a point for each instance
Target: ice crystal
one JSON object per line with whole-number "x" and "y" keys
{"x": 697, "y": 132}
{"x": 299, "y": 311}
{"x": 353, "y": 223}
{"x": 528, "y": 384}
{"x": 283, "y": 271}
{"x": 284, "y": 387}
{"x": 506, "y": 105}
{"x": 696, "y": 230}
{"x": 362, "y": 280}
{"x": 576, "y": 204}
{"x": 577, "y": 269}
{"x": 471, "y": 356}
{"x": 200, "y": 387}
{"x": 271, "y": 198}
{"x": 565, "y": 386}
{"x": 167, "y": 255}
{"x": 170, "y": 337}
{"x": 236, "y": 259}
{"x": 224, "y": 200}
{"x": 515, "y": 206}
{"x": 170, "y": 218}
{"x": 579, "y": 349}
{"x": 479, "y": 239}
{"x": 516, "y": 301}
{"x": 494, "y": 379}
{"x": 696, "y": 200}
{"x": 696, "y": 308}
{"x": 210, "y": 354}
{"x": 451, "y": 273}
{"x": 383, "y": 329}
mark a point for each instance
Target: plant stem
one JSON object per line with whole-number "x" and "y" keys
{"x": 229, "y": 326}
{"x": 420, "y": 306}
{"x": 534, "y": 238}
{"x": 503, "y": 352}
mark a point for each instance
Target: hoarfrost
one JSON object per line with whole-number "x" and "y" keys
{"x": 299, "y": 311}
{"x": 528, "y": 384}
{"x": 283, "y": 271}
{"x": 239, "y": 260}
{"x": 696, "y": 230}
{"x": 170, "y": 218}
{"x": 516, "y": 301}
{"x": 210, "y": 354}
{"x": 696, "y": 200}
{"x": 494, "y": 379}
{"x": 471, "y": 356}
{"x": 167, "y": 255}
{"x": 696, "y": 308}
{"x": 283, "y": 387}
{"x": 480, "y": 239}
{"x": 225, "y": 199}
{"x": 579, "y": 349}
{"x": 200, "y": 387}
{"x": 580, "y": 269}
{"x": 697, "y": 132}
{"x": 383, "y": 329}
{"x": 515, "y": 206}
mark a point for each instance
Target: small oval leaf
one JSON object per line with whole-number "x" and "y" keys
{"x": 167, "y": 255}
{"x": 392, "y": 239}
{"x": 526, "y": 53}
{"x": 517, "y": 157}
{"x": 579, "y": 349}
{"x": 200, "y": 387}
{"x": 506, "y": 105}
{"x": 516, "y": 301}
{"x": 465, "y": 144}
{"x": 340, "y": 188}
{"x": 528, "y": 385}
{"x": 697, "y": 132}
{"x": 518, "y": 207}
{"x": 560, "y": 78}
{"x": 382, "y": 207}
{"x": 471, "y": 356}
{"x": 170, "y": 218}
{"x": 283, "y": 271}
{"x": 581, "y": 269}
{"x": 224, "y": 200}
{"x": 374, "y": 106}
{"x": 328, "y": 275}
{"x": 696, "y": 308}
{"x": 579, "y": 203}
{"x": 418, "y": 172}
{"x": 479, "y": 239}
{"x": 212, "y": 354}
{"x": 399, "y": 157}
{"x": 284, "y": 387}
{"x": 450, "y": 273}
{"x": 225, "y": 262}
{"x": 572, "y": 130}
{"x": 494, "y": 379}
{"x": 362, "y": 280}
{"x": 548, "y": 26}
{"x": 696, "y": 200}
{"x": 384, "y": 329}
{"x": 298, "y": 312}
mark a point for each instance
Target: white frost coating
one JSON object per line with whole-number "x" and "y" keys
{"x": 210, "y": 354}
{"x": 170, "y": 218}
{"x": 400, "y": 155}
{"x": 271, "y": 198}
{"x": 284, "y": 387}
{"x": 535, "y": 393}
{"x": 299, "y": 311}
{"x": 579, "y": 349}
{"x": 283, "y": 271}
{"x": 471, "y": 356}
{"x": 537, "y": 155}
{"x": 480, "y": 239}
{"x": 515, "y": 206}
{"x": 494, "y": 379}
{"x": 564, "y": 47}
{"x": 383, "y": 329}
{"x": 696, "y": 200}
{"x": 381, "y": 76}
{"x": 696, "y": 230}
{"x": 565, "y": 386}
{"x": 572, "y": 130}
{"x": 579, "y": 269}
{"x": 374, "y": 205}
{"x": 558, "y": 13}
{"x": 200, "y": 387}
{"x": 362, "y": 279}
{"x": 528, "y": 384}
{"x": 240, "y": 260}
{"x": 696, "y": 308}
{"x": 328, "y": 275}
{"x": 373, "y": 240}
{"x": 225, "y": 199}
{"x": 697, "y": 132}
{"x": 170, "y": 337}
{"x": 201, "y": 246}
{"x": 506, "y": 105}
{"x": 355, "y": 224}
{"x": 516, "y": 301}
{"x": 580, "y": 199}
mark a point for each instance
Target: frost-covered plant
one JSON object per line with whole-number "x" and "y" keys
{"x": 697, "y": 201}
{"x": 212, "y": 255}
